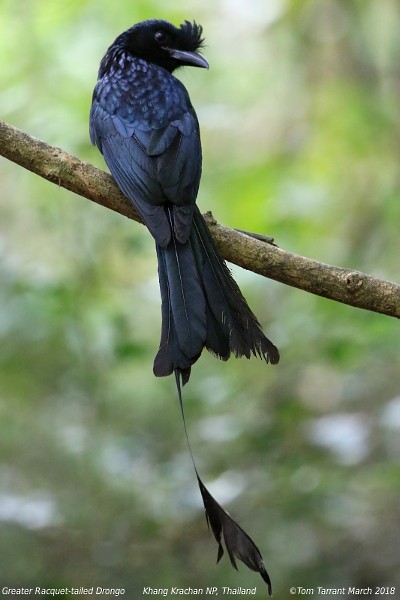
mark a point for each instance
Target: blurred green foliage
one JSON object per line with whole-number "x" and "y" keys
{"x": 300, "y": 124}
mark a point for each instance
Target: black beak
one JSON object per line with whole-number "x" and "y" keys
{"x": 192, "y": 59}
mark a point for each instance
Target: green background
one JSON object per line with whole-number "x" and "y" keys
{"x": 300, "y": 121}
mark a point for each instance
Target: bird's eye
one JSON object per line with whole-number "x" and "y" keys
{"x": 160, "y": 37}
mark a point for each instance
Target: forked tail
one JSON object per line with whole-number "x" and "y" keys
{"x": 202, "y": 305}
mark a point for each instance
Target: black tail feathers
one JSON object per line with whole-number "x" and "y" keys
{"x": 202, "y": 305}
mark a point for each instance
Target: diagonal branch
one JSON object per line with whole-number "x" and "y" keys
{"x": 342, "y": 285}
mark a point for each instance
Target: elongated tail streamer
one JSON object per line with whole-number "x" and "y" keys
{"x": 238, "y": 544}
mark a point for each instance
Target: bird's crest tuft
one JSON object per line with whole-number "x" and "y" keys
{"x": 191, "y": 33}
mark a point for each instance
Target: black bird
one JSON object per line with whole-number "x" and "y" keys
{"x": 145, "y": 126}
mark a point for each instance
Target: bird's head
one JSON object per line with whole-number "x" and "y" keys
{"x": 162, "y": 43}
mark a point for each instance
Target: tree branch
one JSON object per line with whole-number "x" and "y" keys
{"x": 342, "y": 285}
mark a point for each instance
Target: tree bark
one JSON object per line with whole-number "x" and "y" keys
{"x": 342, "y": 285}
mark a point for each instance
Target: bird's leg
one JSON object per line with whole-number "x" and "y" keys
{"x": 267, "y": 239}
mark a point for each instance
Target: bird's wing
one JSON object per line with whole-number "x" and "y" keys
{"x": 177, "y": 151}
{"x": 152, "y": 167}
{"x": 132, "y": 169}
